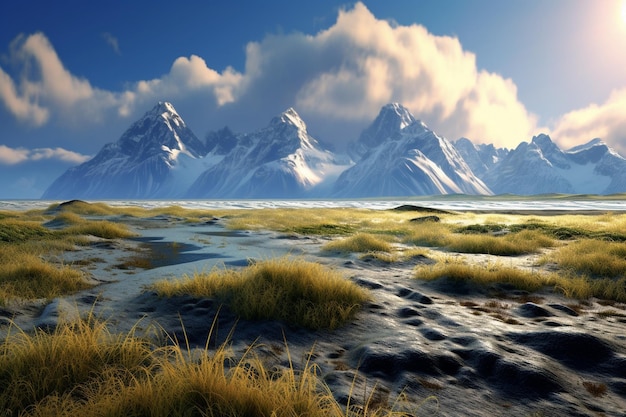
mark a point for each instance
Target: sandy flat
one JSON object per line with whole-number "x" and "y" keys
{"x": 444, "y": 349}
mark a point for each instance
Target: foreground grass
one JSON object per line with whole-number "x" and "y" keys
{"x": 30, "y": 243}
{"x": 303, "y": 293}
{"x": 81, "y": 369}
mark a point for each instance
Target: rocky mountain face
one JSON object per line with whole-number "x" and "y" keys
{"x": 159, "y": 157}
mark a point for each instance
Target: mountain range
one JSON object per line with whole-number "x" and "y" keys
{"x": 159, "y": 157}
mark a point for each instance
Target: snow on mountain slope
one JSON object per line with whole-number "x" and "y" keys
{"x": 279, "y": 161}
{"x": 412, "y": 160}
{"x": 480, "y": 157}
{"x": 159, "y": 157}
{"x": 541, "y": 167}
{"x": 155, "y": 158}
{"x": 391, "y": 119}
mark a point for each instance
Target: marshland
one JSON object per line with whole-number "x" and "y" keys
{"x": 123, "y": 310}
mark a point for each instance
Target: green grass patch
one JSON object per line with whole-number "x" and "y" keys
{"x": 478, "y": 238}
{"x": 303, "y": 293}
{"x": 82, "y": 208}
{"x": 324, "y": 229}
{"x": 15, "y": 231}
{"x": 568, "y": 232}
{"x": 555, "y": 231}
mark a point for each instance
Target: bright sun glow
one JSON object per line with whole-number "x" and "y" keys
{"x": 624, "y": 11}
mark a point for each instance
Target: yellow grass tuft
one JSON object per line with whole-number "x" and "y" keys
{"x": 511, "y": 244}
{"x": 81, "y": 369}
{"x": 360, "y": 242}
{"x": 28, "y": 252}
{"x": 593, "y": 257}
{"x": 25, "y": 275}
{"x": 572, "y": 286}
{"x": 38, "y": 367}
{"x": 299, "y": 292}
{"x": 100, "y": 228}
{"x": 431, "y": 235}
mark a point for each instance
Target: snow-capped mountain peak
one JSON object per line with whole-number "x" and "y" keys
{"x": 279, "y": 161}
{"x": 160, "y": 129}
{"x": 588, "y": 145}
{"x": 543, "y": 142}
{"x": 289, "y": 117}
{"x": 145, "y": 162}
{"x": 542, "y": 167}
{"x": 481, "y": 158}
{"x": 391, "y": 119}
{"x": 402, "y": 157}
{"x": 167, "y": 111}
{"x": 398, "y": 114}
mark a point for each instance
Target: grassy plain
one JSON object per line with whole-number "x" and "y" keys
{"x": 580, "y": 256}
{"x": 575, "y": 247}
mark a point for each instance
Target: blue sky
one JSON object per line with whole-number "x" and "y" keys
{"x": 74, "y": 74}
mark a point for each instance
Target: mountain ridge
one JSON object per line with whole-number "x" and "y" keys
{"x": 397, "y": 155}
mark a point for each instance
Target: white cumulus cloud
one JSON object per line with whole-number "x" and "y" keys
{"x": 46, "y": 88}
{"x": 606, "y": 121}
{"x": 337, "y": 79}
{"x": 347, "y": 72}
{"x": 10, "y": 156}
